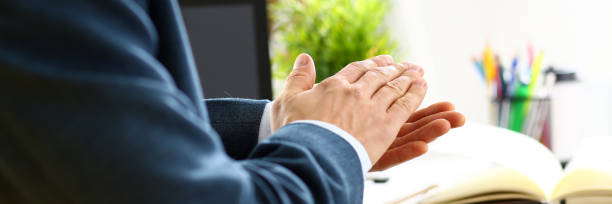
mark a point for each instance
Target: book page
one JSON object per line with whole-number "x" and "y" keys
{"x": 589, "y": 173}
{"x": 584, "y": 182}
{"x": 497, "y": 182}
{"x": 504, "y": 148}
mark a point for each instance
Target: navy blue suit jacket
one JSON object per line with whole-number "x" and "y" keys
{"x": 100, "y": 103}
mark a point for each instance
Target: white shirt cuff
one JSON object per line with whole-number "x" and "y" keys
{"x": 265, "y": 127}
{"x": 265, "y": 130}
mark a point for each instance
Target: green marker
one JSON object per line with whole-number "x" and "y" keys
{"x": 518, "y": 107}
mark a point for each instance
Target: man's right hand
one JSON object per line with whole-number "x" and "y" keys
{"x": 369, "y": 99}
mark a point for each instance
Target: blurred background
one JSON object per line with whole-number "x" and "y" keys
{"x": 450, "y": 39}
{"x": 444, "y": 35}
{"x": 491, "y": 58}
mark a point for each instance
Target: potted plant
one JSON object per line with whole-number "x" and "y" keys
{"x": 333, "y": 32}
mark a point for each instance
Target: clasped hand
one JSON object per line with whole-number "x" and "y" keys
{"x": 374, "y": 100}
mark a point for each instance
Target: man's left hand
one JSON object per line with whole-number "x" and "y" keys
{"x": 421, "y": 128}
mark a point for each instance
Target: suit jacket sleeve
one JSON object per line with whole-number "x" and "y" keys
{"x": 237, "y": 122}
{"x": 93, "y": 112}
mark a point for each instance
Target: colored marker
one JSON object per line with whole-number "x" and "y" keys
{"x": 535, "y": 74}
{"x": 513, "y": 76}
{"x": 479, "y": 69}
{"x": 489, "y": 64}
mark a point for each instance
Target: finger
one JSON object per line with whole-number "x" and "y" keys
{"x": 427, "y": 133}
{"x": 302, "y": 77}
{"x": 430, "y": 110}
{"x": 376, "y": 78}
{"x": 455, "y": 119}
{"x": 355, "y": 70}
{"x": 383, "y": 60}
{"x": 396, "y": 88}
{"x": 414, "y": 66}
{"x": 404, "y": 106}
{"x": 399, "y": 155}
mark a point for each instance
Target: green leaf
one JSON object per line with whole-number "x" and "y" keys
{"x": 333, "y": 32}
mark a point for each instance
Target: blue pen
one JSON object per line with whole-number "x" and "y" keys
{"x": 512, "y": 75}
{"x": 502, "y": 81}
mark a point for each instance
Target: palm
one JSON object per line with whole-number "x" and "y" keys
{"x": 421, "y": 128}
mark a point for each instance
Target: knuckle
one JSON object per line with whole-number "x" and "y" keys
{"x": 354, "y": 64}
{"x": 331, "y": 81}
{"x": 298, "y": 72}
{"x": 354, "y": 91}
{"x": 401, "y": 67}
{"x": 378, "y": 74}
{"x": 396, "y": 87}
{"x": 368, "y": 63}
{"x": 345, "y": 91}
{"x": 297, "y": 76}
{"x": 324, "y": 85}
{"x": 378, "y": 60}
{"x": 412, "y": 74}
{"x": 386, "y": 58}
{"x": 405, "y": 79}
{"x": 381, "y": 70}
{"x": 358, "y": 66}
{"x": 404, "y": 104}
{"x": 333, "y": 84}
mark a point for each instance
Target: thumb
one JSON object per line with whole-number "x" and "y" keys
{"x": 302, "y": 77}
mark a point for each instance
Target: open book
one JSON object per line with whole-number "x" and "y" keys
{"x": 586, "y": 179}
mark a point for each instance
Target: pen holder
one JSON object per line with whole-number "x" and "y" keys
{"x": 530, "y": 116}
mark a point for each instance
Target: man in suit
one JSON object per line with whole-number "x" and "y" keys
{"x": 100, "y": 103}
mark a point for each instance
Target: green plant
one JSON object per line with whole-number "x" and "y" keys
{"x": 333, "y": 32}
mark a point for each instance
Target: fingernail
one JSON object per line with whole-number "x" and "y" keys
{"x": 301, "y": 60}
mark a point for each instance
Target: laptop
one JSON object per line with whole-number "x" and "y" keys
{"x": 229, "y": 40}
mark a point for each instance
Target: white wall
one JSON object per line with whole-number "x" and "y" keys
{"x": 442, "y": 35}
